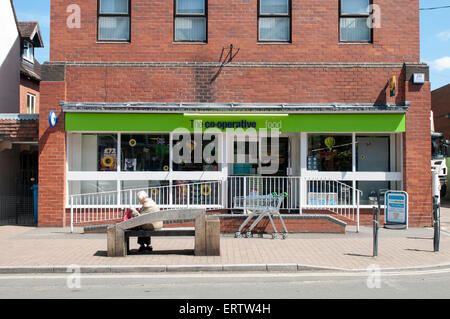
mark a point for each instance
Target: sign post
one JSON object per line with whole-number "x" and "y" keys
{"x": 396, "y": 210}
{"x": 436, "y": 210}
{"x": 376, "y": 226}
{"x": 436, "y": 223}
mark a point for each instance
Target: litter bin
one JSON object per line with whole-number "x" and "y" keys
{"x": 34, "y": 188}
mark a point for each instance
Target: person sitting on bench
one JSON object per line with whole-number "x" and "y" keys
{"x": 148, "y": 206}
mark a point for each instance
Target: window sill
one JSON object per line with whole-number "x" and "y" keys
{"x": 274, "y": 43}
{"x": 113, "y": 42}
{"x": 355, "y": 43}
{"x": 189, "y": 43}
{"x": 27, "y": 60}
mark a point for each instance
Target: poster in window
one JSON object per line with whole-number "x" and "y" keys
{"x": 108, "y": 159}
{"x": 130, "y": 164}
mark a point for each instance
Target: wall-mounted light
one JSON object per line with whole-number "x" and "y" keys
{"x": 393, "y": 85}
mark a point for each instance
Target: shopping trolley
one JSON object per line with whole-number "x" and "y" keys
{"x": 260, "y": 206}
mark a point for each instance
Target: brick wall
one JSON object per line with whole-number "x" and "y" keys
{"x": 440, "y": 104}
{"x": 52, "y": 157}
{"x": 240, "y": 83}
{"x": 32, "y": 87}
{"x": 314, "y": 34}
{"x": 417, "y": 154}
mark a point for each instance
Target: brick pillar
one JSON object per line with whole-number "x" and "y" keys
{"x": 52, "y": 157}
{"x": 417, "y": 149}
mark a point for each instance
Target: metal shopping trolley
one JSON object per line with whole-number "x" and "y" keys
{"x": 260, "y": 206}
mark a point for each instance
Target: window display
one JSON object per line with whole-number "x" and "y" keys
{"x": 195, "y": 153}
{"x": 330, "y": 153}
{"x": 145, "y": 152}
{"x": 92, "y": 152}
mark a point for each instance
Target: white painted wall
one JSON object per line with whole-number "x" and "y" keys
{"x": 9, "y": 60}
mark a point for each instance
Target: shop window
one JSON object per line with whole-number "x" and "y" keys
{"x": 114, "y": 20}
{"x": 196, "y": 193}
{"x": 156, "y": 190}
{"x": 330, "y": 153}
{"x": 371, "y": 189}
{"x": 353, "y": 17}
{"x": 145, "y": 152}
{"x": 87, "y": 188}
{"x": 195, "y": 152}
{"x": 274, "y": 21}
{"x": 92, "y": 152}
{"x": 190, "y": 20}
{"x": 332, "y": 193}
{"x": 372, "y": 154}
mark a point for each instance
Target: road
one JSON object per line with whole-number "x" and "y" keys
{"x": 433, "y": 284}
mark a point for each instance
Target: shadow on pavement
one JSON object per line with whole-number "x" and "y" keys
{"x": 134, "y": 252}
{"x": 422, "y": 250}
{"x": 358, "y": 255}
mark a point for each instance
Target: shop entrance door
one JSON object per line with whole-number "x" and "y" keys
{"x": 283, "y": 157}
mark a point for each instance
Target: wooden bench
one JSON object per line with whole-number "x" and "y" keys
{"x": 206, "y": 231}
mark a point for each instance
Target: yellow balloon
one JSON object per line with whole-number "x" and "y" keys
{"x": 329, "y": 141}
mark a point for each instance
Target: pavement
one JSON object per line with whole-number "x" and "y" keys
{"x": 56, "y": 250}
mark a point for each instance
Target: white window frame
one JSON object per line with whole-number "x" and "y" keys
{"x": 355, "y": 176}
{"x": 120, "y": 176}
{"x": 31, "y": 109}
{"x": 288, "y": 15}
{"x": 28, "y": 51}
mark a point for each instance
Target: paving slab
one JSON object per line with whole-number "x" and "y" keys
{"x": 54, "y": 249}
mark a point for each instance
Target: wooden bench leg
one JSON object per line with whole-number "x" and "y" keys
{"x": 212, "y": 235}
{"x": 207, "y": 236}
{"x": 200, "y": 238}
{"x": 116, "y": 242}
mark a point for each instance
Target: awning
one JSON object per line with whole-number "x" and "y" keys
{"x": 301, "y": 117}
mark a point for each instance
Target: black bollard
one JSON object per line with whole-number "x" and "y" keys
{"x": 436, "y": 223}
{"x": 376, "y": 220}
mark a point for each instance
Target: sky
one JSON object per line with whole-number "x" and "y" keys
{"x": 434, "y": 38}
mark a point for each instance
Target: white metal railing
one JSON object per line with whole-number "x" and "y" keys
{"x": 334, "y": 196}
{"x": 108, "y": 206}
{"x": 239, "y": 186}
{"x": 302, "y": 193}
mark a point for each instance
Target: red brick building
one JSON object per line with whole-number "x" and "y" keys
{"x": 30, "y": 68}
{"x": 124, "y": 74}
{"x": 440, "y": 105}
{"x": 19, "y": 116}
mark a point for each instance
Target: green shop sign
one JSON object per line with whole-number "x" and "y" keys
{"x": 155, "y": 122}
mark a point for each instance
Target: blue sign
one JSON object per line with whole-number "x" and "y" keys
{"x": 396, "y": 207}
{"x": 52, "y": 119}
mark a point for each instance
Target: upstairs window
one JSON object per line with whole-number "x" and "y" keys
{"x": 274, "y": 20}
{"x": 28, "y": 52}
{"x": 353, "y": 21}
{"x": 190, "y": 21}
{"x": 114, "y": 20}
{"x": 31, "y": 103}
